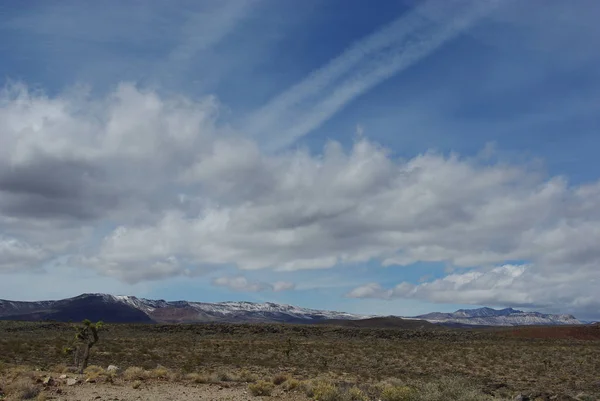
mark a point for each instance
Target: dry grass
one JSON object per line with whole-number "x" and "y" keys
{"x": 246, "y": 376}
{"x": 22, "y": 389}
{"x": 261, "y": 388}
{"x": 93, "y": 372}
{"x": 398, "y": 393}
{"x": 356, "y": 394}
{"x": 198, "y": 378}
{"x": 291, "y": 384}
{"x": 160, "y": 372}
{"x": 135, "y": 373}
{"x": 326, "y": 391}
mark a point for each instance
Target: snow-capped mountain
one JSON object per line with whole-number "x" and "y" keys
{"x": 501, "y": 317}
{"x": 120, "y": 308}
{"x": 129, "y": 309}
{"x": 229, "y": 311}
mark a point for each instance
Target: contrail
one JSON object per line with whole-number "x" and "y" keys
{"x": 368, "y": 62}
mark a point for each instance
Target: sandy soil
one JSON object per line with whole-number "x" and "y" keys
{"x": 165, "y": 392}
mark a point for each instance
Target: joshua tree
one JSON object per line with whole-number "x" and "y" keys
{"x": 86, "y": 336}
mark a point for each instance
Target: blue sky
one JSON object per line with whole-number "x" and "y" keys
{"x": 395, "y": 158}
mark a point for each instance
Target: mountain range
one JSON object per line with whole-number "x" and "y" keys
{"x": 494, "y": 317}
{"x": 130, "y": 309}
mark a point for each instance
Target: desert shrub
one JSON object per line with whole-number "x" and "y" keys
{"x": 41, "y": 397}
{"x": 160, "y": 372}
{"x": 327, "y": 391}
{"x": 280, "y": 378}
{"x": 291, "y": 384}
{"x": 22, "y": 389}
{"x": 222, "y": 377}
{"x": 135, "y": 373}
{"x": 199, "y": 378}
{"x": 308, "y": 387}
{"x": 174, "y": 376}
{"x": 246, "y": 376}
{"x": 449, "y": 388}
{"x": 261, "y": 387}
{"x": 356, "y": 394}
{"x": 60, "y": 368}
{"x": 136, "y": 384}
{"x": 399, "y": 393}
{"x": 93, "y": 372}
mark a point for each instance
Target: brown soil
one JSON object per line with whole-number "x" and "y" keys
{"x": 591, "y": 332}
{"x": 165, "y": 391}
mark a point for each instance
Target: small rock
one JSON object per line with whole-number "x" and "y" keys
{"x": 71, "y": 382}
{"x": 112, "y": 368}
{"x": 63, "y": 377}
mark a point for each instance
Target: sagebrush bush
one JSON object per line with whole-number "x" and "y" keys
{"x": 22, "y": 389}
{"x": 246, "y": 376}
{"x": 41, "y": 397}
{"x": 291, "y": 384}
{"x": 399, "y": 393}
{"x": 449, "y": 388}
{"x": 93, "y": 372}
{"x": 199, "y": 378}
{"x": 280, "y": 378}
{"x": 135, "y": 373}
{"x": 160, "y": 372}
{"x": 222, "y": 376}
{"x": 308, "y": 387}
{"x": 356, "y": 394}
{"x": 261, "y": 387}
{"x": 326, "y": 391}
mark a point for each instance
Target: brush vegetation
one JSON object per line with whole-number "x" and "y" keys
{"x": 322, "y": 362}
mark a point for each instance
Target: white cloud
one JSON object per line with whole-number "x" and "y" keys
{"x": 279, "y": 286}
{"x": 370, "y": 290}
{"x": 240, "y": 283}
{"x": 16, "y": 255}
{"x": 505, "y": 285}
{"x": 141, "y": 187}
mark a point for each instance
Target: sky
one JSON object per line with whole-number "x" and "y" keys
{"x": 391, "y": 157}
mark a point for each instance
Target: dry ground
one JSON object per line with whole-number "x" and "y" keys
{"x": 545, "y": 362}
{"x": 166, "y": 392}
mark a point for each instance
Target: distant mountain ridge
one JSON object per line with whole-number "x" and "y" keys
{"x": 498, "y": 317}
{"x": 130, "y": 309}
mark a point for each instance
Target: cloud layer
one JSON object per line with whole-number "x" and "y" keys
{"x": 141, "y": 187}
{"x": 240, "y": 283}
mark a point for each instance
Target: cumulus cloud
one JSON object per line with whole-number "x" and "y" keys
{"x": 16, "y": 255}
{"x": 140, "y": 186}
{"x": 517, "y": 285}
{"x": 240, "y": 283}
